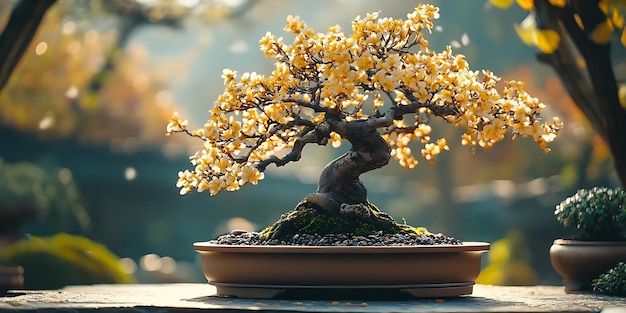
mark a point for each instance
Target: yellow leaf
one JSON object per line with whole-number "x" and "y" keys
{"x": 581, "y": 62}
{"x": 604, "y": 6}
{"x": 621, "y": 3}
{"x": 558, "y": 3}
{"x": 502, "y": 4}
{"x": 527, "y": 29}
{"x": 526, "y": 4}
{"x": 603, "y": 33}
{"x": 623, "y": 38}
{"x": 621, "y": 92}
{"x": 617, "y": 18}
{"x": 526, "y": 35}
{"x": 579, "y": 21}
{"x": 547, "y": 40}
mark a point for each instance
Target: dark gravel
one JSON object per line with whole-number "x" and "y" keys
{"x": 238, "y": 237}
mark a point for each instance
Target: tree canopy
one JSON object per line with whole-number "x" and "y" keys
{"x": 382, "y": 79}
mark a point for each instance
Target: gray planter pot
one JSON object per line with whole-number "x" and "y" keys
{"x": 579, "y": 261}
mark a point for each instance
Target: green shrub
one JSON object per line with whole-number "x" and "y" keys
{"x": 29, "y": 191}
{"x": 60, "y": 260}
{"x": 600, "y": 213}
{"x": 612, "y": 282}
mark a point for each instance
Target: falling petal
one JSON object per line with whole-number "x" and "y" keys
{"x": 465, "y": 39}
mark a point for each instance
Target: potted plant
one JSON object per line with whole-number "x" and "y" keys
{"x": 599, "y": 214}
{"x": 378, "y": 88}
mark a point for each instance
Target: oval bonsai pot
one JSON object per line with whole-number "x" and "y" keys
{"x": 285, "y": 271}
{"x": 580, "y": 261}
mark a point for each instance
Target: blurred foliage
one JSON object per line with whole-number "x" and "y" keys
{"x": 63, "y": 259}
{"x": 575, "y": 39}
{"x": 509, "y": 260}
{"x": 49, "y": 94}
{"x": 600, "y": 213}
{"x": 612, "y": 282}
{"x": 28, "y": 190}
{"x": 547, "y": 40}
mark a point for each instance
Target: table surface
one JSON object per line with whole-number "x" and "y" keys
{"x": 201, "y": 297}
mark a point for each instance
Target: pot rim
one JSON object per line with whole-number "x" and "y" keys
{"x": 466, "y": 246}
{"x": 577, "y": 242}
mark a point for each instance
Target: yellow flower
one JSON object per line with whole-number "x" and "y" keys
{"x": 250, "y": 174}
{"x": 176, "y": 124}
{"x": 215, "y": 186}
{"x": 335, "y": 140}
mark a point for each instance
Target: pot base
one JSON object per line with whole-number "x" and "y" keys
{"x": 344, "y": 292}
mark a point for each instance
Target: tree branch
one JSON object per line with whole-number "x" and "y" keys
{"x": 308, "y": 135}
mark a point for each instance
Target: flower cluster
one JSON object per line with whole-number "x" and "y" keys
{"x": 383, "y": 73}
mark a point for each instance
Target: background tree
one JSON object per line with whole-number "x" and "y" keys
{"x": 574, "y": 38}
{"x": 52, "y": 113}
{"x": 318, "y": 93}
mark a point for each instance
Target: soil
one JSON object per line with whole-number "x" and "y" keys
{"x": 363, "y": 225}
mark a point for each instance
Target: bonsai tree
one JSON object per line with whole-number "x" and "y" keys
{"x": 378, "y": 88}
{"x": 600, "y": 213}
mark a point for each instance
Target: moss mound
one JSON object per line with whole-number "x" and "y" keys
{"x": 308, "y": 220}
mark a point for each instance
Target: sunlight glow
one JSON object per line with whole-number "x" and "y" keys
{"x": 41, "y": 48}
{"x": 130, "y": 173}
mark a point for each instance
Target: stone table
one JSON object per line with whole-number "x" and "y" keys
{"x": 201, "y": 297}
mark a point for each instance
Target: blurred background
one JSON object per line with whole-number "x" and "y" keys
{"x": 83, "y": 116}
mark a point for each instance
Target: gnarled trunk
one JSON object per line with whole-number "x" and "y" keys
{"x": 339, "y": 183}
{"x": 340, "y": 204}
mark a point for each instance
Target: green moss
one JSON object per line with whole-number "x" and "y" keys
{"x": 307, "y": 220}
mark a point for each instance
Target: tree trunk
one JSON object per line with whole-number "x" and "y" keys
{"x": 19, "y": 32}
{"x": 339, "y": 183}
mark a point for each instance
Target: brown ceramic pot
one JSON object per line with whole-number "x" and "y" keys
{"x": 579, "y": 262}
{"x": 275, "y": 271}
